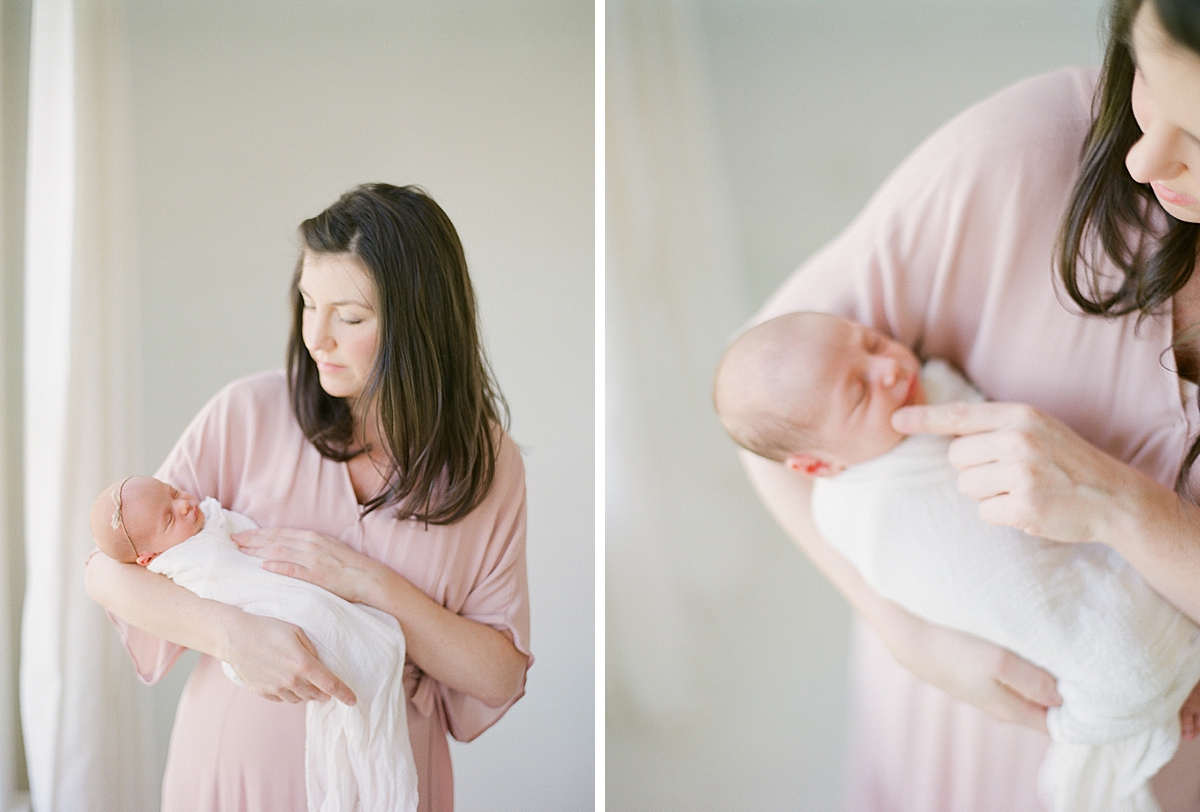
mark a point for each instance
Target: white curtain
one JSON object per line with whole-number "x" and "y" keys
{"x": 86, "y": 721}
{"x": 9, "y": 454}
{"x": 674, "y": 489}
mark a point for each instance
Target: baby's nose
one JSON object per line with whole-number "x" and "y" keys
{"x": 889, "y": 371}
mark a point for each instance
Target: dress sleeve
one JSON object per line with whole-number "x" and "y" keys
{"x": 153, "y": 656}
{"x": 500, "y": 596}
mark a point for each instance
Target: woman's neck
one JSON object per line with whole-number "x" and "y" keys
{"x": 369, "y": 470}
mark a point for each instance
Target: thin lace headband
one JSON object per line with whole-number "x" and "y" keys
{"x": 117, "y": 520}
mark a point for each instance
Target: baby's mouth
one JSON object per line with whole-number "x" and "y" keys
{"x": 913, "y": 395}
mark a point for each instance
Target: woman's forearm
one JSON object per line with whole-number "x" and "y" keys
{"x": 975, "y": 670}
{"x": 787, "y": 495}
{"x": 156, "y": 605}
{"x": 1158, "y": 533}
{"x": 272, "y": 657}
{"x": 463, "y": 654}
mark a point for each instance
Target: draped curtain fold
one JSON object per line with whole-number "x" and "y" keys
{"x": 86, "y": 720}
{"x": 674, "y": 294}
{"x": 11, "y": 799}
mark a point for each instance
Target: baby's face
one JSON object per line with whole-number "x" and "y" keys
{"x": 158, "y": 516}
{"x": 863, "y": 377}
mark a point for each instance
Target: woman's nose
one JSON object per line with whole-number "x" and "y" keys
{"x": 316, "y": 333}
{"x": 1155, "y": 156}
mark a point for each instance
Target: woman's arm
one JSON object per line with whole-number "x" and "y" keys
{"x": 460, "y": 653}
{"x": 981, "y": 673}
{"x": 1029, "y": 471}
{"x": 273, "y": 658}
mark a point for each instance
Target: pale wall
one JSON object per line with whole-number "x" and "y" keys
{"x": 250, "y": 117}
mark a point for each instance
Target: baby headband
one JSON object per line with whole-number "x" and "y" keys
{"x": 117, "y": 520}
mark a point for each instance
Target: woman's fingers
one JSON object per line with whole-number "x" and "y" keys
{"x": 268, "y": 536}
{"x": 1012, "y": 707}
{"x": 277, "y": 661}
{"x": 958, "y": 418}
{"x": 330, "y": 685}
{"x": 1026, "y": 469}
{"x": 1189, "y": 714}
{"x": 309, "y": 556}
{"x": 988, "y": 676}
{"x": 1028, "y": 682}
{"x": 1017, "y": 691}
{"x": 322, "y": 679}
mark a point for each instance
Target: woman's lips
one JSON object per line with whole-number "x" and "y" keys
{"x": 1174, "y": 198}
{"x": 324, "y": 366}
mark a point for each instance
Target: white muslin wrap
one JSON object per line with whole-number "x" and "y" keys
{"x": 1124, "y": 658}
{"x": 357, "y": 758}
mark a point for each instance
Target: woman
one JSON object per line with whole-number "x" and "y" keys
{"x": 384, "y": 442}
{"x": 954, "y": 256}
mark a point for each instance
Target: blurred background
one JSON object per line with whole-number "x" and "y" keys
{"x": 203, "y": 132}
{"x": 741, "y": 136}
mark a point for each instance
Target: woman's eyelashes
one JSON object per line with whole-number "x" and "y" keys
{"x": 344, "y": 318}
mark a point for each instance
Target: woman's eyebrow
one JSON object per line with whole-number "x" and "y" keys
{"x": 340, "y": 303}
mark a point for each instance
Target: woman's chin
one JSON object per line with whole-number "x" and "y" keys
{"x": 337, "y": 388}
{"x": 1188, "y": 214}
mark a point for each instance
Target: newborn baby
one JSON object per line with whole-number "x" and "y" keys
{"x": 356, "y": 757}
{"x": 816, "y": 392}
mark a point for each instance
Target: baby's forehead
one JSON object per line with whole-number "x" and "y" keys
{"x": 146, "y": 492}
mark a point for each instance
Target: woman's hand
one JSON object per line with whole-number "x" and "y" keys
{"x": 463, "y": 654}
{"x": 987, "y": 676}
{"x": 277, "y": 661}
{"x": 311, "y": 557}
{"x": 1027, "y": 470}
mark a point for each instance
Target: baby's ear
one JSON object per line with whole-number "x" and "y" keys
{"x": 813, "y": 464}
{"x": 146, "y": 558}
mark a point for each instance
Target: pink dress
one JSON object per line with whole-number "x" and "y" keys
{"x": 953, "y": 256}
{"x": 234, "y": 751}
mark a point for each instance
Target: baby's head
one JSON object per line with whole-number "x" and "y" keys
{"x": 139, "y": 517}
{"x": 815, "y": 391}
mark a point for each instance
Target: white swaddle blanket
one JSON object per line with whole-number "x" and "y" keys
{"x": 1124, "y": 658}
{"x": 357, "y": 758}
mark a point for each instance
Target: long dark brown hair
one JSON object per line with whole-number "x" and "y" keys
{"x": 431, "y": 389}
{"x": 1111, "y": 216}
